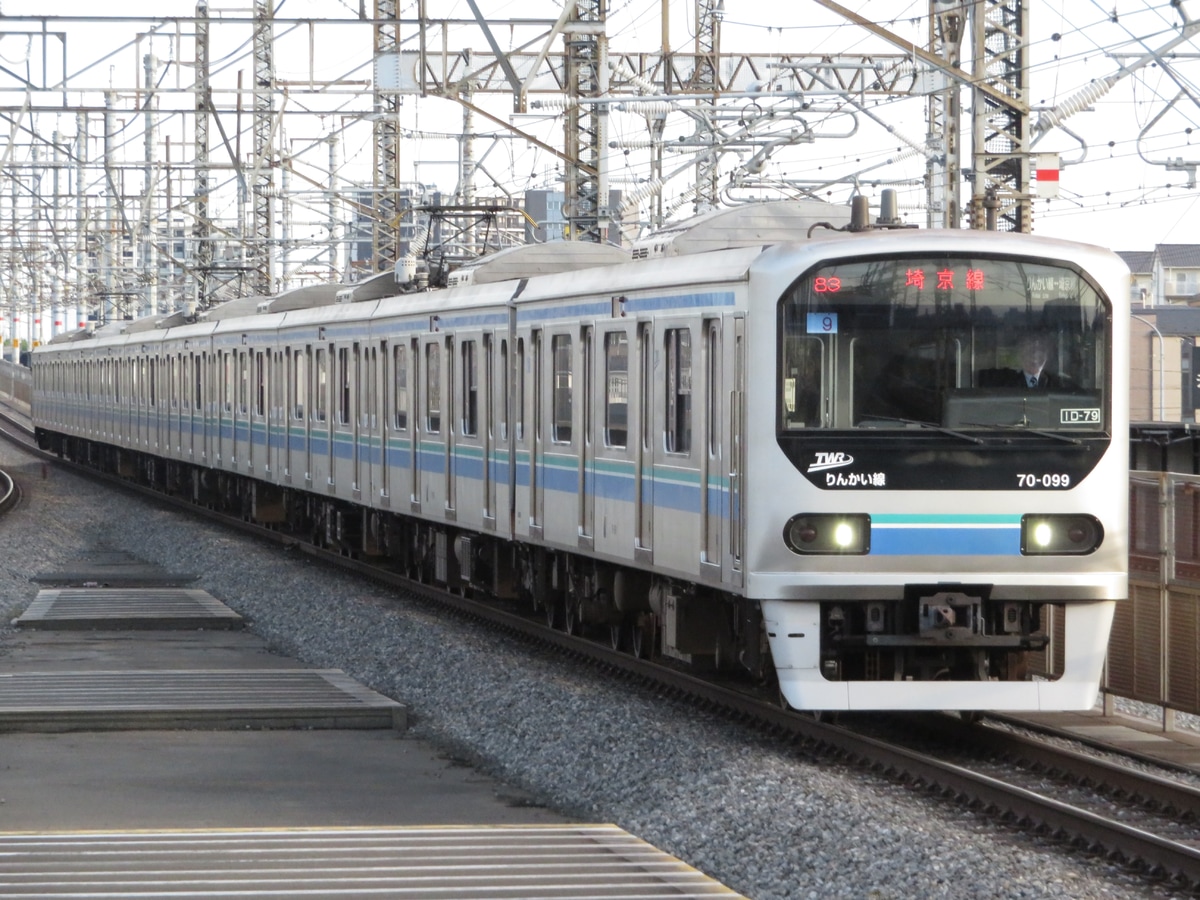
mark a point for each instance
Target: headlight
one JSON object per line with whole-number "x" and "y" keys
{"x": 828, "y": 533}
{"x": 1060, "y": 535}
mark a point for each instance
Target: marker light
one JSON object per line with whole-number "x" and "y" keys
{"x": 828, "y": 533}
{"x": 1051, "y": 535}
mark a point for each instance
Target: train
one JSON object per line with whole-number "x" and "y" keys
{"x": 770, "y": 442}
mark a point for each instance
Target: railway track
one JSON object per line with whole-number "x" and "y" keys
{"x": 1143, "y": 821}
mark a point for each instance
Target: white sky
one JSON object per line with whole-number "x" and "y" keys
{"x": 1115, "y": 189}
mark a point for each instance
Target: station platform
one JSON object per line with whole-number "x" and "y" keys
{"x": 152, "y": 747}
{"x": 1144, "y": 738}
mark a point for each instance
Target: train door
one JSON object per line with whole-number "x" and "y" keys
{"x": 173, "y": 431}
{"x": 449, "y": 421}
{"x": 587, "y": 461}
{"x": 487, "y": 435}
{"x": 367, "y": 384}
{"x": 471, "y": 477}
{"x": 643, "y": 491}
{"x": 416, "y": 427}
{"x": 241, "y": 412}
{"x": 737, "y": 449}
{"x": 320, "y": 422}
{"x": 504, "y": 435}
{"x": 225, "y": 446}
{"x": 536, "y": 438}
{"x": 153, "y": 439}
{"x": 382, "y": 424}
{"x": 433, "y": 450}
{"x": 277, "y": 415}
{"x": 205, "y": 390}
{"x": 712, "y": 453}
{"x": 140, "y": 430}
{"x": 296, "y": 430}
{"x": 344, "y": 443}
{"x": 259, "y": 436}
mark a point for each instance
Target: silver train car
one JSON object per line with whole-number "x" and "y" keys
{"x": 808, "y": 456}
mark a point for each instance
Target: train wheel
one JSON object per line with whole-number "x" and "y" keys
{"x": 550, "y": 608}
{"x": 616, "y": 636}
{"x": 572, "y": 621}
{"x": 643, "y": 637}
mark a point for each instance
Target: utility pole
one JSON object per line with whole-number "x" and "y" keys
{"x": 943, "y": 168}
{"x": 264, "y": 125}
{"x": 149, "y": 257}
{"x": 385, "y": 230}
{"x": 586, "y": 124}
{"x": 110, "y": 254}
{"x": 706, "y": 79}
{"x": 334, "y": 224}
{"x": 83, "y": 299}
{"x": 1001, "y": 128}
{"x": 202, "y": 247}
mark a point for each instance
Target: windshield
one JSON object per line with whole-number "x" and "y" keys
{"x": 962, "y": 343}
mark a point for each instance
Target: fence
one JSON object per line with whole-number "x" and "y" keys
{"x": 1155, "y": 642}
{"x": 16, "y": 383}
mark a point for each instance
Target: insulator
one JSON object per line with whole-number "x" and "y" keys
{"x": 633, "y": 198}
{"x": 648, "y": 107}
{"x": 554, "y": 103}
{"x": 1079, "y": 102}
{"x": 620, "y": 69}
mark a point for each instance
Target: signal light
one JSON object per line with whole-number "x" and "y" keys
{"x": 844, "y": 534}
{"x": 1054, "y": 535}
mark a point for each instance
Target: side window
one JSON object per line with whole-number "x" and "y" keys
{"x": 616, "y": 388}
{"x": 678, "y": 390}
{"x": 299, "y": 382}
{"x": 260, "y": 384}
{"x": 519, "y": 412}
{"x": 227, "y": 381}
{"x": 400, "y": 392}
{"x": 505, "y": 387}
{"x": 714, "y": 394}
{"x": 243, "y": 382}
{"x": 343, "y": 385}
{"x": 470, "y": 389}
{"x": 433, "y": 387}
{"x": 560, "y": 349}
{"x": 320, "y": 385}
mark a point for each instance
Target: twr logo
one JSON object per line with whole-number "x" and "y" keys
{"x": 824, "y": 461}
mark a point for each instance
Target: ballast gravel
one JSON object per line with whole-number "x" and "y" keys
{"x": 766, "y": 819}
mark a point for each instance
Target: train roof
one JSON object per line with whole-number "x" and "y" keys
{"x": 748, "y": 225}
{"x": 529, "y": 260}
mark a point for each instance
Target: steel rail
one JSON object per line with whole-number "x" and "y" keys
{"x": 1018, "y": 807}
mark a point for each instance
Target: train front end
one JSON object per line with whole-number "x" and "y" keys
{"x": 936, "y": 481}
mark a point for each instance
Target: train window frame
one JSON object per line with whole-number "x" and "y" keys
{"x": 343, "y": 383}
{"x": 887, "y": 360}
{"x": 677, "y": 388}
{"x": 400, "y": 405}
{"x": 616, "y": 438}
{"x": 712, "y": 343}
{"x": 433, "y": 387}
{"x": 299, "y": 398}
{"x": 561, "y": 388}
{"x": 243, "y": 383}
{"x": 502, "y": 408}
{"x": 320, "y": 385}
{"x": 519, "y": 412}
{"x": 260, "y": 384}
{"x": 469, "y": 420}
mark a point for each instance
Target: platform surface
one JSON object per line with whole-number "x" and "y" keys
{"x": 462, "y": 863}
